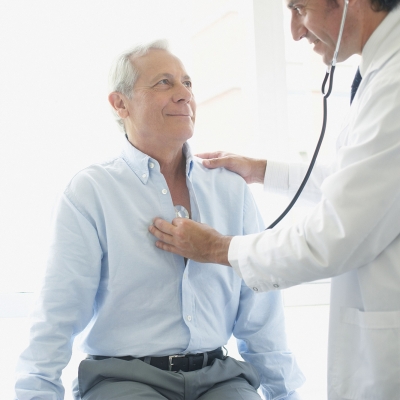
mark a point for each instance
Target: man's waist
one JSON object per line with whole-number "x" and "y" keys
{"x": 176, "y": 362}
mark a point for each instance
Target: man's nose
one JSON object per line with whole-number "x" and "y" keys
{"x": 298, "y": 29}
{"x": 182, "y": 93}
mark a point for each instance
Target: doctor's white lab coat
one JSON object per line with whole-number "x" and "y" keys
{"x": 352, "y": 234}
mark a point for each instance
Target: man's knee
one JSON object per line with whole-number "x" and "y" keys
{"x": 114, "y": 389}
{"x": 233, "y": 389}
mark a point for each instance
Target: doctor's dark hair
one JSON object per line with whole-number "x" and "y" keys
{"x": 384, "y": 5}
{"x": 123, "y": 74}
{"x": 377, "y": 5}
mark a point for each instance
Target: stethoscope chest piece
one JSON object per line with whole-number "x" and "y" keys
{"x": 181, "y": 212}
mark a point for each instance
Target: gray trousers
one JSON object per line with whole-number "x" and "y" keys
{"x": 113, "y": 379}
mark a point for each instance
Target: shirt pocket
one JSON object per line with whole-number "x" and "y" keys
{"x": 365, "y": 355}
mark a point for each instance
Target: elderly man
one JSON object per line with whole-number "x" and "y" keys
{"x": 353, "y": 233}
{"x": 153, "y": 323}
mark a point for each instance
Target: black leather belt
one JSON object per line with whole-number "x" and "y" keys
{"x": 177, "y": 362}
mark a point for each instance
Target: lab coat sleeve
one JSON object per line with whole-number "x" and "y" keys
{"x": 65, "y": 304}
{"x": 357, "y": 217}
{"x": 260, "y": 331}
{"x": 285, "y": 178}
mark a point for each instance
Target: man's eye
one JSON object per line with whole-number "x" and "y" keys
{"x": 163, "y": 82}
{"x": 298, "y": 10}
{"x": 188, "y": 84}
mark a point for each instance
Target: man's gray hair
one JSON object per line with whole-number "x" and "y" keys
{"x": 123, "y": 74}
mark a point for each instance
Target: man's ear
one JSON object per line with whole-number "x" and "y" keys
{"x": 117, "y": 101}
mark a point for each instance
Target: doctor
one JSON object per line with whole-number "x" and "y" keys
{"x": 353, "y": 232}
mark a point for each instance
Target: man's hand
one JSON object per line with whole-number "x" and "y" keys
{"x": 192, "y": 240}
{"x": 250, "y": 169}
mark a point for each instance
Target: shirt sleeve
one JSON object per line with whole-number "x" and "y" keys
{"x": 260, "y": 330}
{"x": 65, "y": 304}
{"x": 354, "y": 221}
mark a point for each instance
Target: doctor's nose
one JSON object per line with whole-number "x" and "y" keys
{"x": 299, "y": 31}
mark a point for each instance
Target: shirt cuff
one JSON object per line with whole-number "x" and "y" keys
{"x": 276, "y": 176}
{"x": 238, "y": 249}
{"x": 252, "y": 264}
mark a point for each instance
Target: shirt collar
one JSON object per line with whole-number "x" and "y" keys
{"x": 375, "y": 52}
{"x": 142, "y": 164}
{"x": 187, "y": 152}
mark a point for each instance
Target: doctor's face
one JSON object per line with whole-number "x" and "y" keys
{"x": 162, "y": 109}
{"x": 318, "y": 21}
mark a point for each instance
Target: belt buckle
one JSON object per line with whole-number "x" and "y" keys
{"x": 171, "y": 358}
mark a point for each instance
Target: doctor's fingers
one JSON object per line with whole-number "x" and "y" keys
{"x": 252, "y": 170}
{"x": 162, "y": 230}
{"x": 171, "y": 233}
{"x": 174, "y": 237}
{"x": 220, "y": 160}
{"x": 213, "y": 154}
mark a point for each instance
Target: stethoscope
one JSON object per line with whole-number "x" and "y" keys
{"x": 181, "y": 211}
{"x": 329, "y": 75}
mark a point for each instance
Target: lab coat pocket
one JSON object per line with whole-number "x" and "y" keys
{"x": 366, "y": 355}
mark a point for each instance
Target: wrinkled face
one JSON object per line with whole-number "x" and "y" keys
{"x": 318, "y": 21}
{"x": 162, "y": 110}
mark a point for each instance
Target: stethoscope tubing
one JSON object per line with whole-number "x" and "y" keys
{"x": 328, "y": 75}
{"x": 318, "y": 146}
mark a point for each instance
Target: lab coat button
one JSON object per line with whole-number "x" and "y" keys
{"x": 189, "y": 318}
{"x": 151, "y": 165}
{"x": 144, "y": 175}
{"x": 164, "y": 191}
{"x": 255, "y": 289}
{"x": 275, "y": 285}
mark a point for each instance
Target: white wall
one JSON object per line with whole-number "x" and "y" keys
{"x": 55, "y": 118}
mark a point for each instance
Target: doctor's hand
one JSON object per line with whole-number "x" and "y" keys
{"x": 192, "y": 240}
{"x": 252, "y": 170}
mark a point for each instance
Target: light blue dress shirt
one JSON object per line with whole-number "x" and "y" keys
{"x": 108, "y": 282}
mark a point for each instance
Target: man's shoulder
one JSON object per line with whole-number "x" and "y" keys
{"x": 95, "y": 175}
{"x": 217, "y": 174}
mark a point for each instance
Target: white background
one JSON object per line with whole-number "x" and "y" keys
{"x": 55, "y": 118}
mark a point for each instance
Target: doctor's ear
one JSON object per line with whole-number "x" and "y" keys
{"x": 117, "y": 101}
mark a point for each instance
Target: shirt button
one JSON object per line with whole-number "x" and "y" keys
{"x": 151, "y": 165}
{"x": 189, "y": 318}
{"x": 144, "y": 175}
{"x": 164, "y": 191}
{"x": 255, "y": 289}
{"x": 275, "y": 285}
